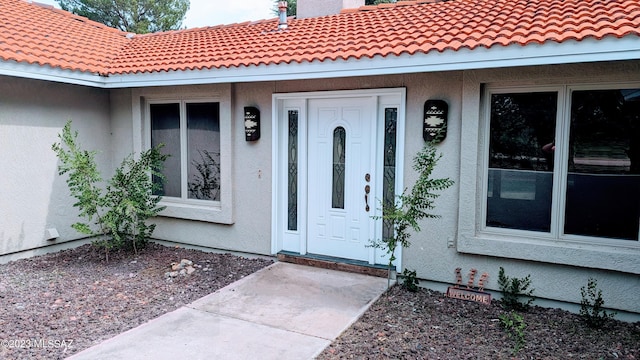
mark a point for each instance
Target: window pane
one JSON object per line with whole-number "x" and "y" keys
{"x": 339, "y": 148}
{"x": 293, "y": 171}
{"x": 389, "y": 181}
{"x": 165, "y": 129}
{"x": 203, "y": 155}
{"x": 521, "y": 150}
{"x": 603, "y": 183}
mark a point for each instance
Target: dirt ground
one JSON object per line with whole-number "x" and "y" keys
{"x": 428, "y": 325}
{"x": 59, "y": 304}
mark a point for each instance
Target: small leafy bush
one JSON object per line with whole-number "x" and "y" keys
{"x": 409, "y": 208}
{"x": 514, "y": 290}
{"x": 117, "y": 212}
{"x": 514, "y": 325}
{"x": 592, "y": 305}
{"x": 410, "y": 281}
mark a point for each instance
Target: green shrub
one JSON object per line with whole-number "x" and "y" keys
{"x": 409, "y": 280}
{"x": 513, "y": 291}
{"x": 117, "y": 212}
{"x": 592, "y": 305}
{"x": 514, "y": 325}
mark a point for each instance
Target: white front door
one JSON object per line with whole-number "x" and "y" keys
{"x": 330, "y": 148}
{"x": 341, "y": 176}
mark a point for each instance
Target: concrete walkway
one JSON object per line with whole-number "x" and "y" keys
{"x": 284, "y": 311}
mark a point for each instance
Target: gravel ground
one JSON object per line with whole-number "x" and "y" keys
{"x": 59, "y": 304}
{"x": 427, "y": 325}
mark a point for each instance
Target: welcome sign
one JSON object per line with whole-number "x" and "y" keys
{"x": 470, "y": 293}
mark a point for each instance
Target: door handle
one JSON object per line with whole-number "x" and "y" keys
{"x": 367, "y": 189}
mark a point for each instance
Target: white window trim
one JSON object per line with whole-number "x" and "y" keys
{"x": 554, "y": 247}
{"x": 199, "y": 210}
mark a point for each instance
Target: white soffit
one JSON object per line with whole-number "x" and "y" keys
{"x": 550, "y": 53}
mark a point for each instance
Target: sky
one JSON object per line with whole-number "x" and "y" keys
{"x": 216, "y": 12}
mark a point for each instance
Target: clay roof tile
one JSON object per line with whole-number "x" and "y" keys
{"x": 52, "y": 37}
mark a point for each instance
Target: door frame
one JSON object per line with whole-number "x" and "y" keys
{"x": 296, "y": 240}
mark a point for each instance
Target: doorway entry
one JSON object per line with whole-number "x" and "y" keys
{"x": 335, "y": 157}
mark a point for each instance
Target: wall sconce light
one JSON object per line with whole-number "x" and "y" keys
{"x": 434, "y": 126}
{"x": 251, "y": 123}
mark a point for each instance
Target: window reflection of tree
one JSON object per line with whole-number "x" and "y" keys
{"x": 205, "y": 184}
{"x": 521, "y": 124}
{"x": 632, "y": 114}
{"x": 602, "y": 191}
{"x": 604, "y": 132}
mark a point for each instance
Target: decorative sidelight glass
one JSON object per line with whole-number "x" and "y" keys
{"x": 339, "y": 159}
{"x": 292, "y": 222}
{"x": 389, "y": 180}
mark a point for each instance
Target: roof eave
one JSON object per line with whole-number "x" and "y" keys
{"x": 550, "y": 53}
{"x": 48, "y": 73}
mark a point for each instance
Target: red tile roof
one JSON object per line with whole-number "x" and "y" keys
{"x": 34, "y": 34}
{"x": 47, "y": 36}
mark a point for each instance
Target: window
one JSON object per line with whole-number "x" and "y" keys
{"x": 194, "y": 123}
{"x": 564, "y": 163}
{"x": 190, "y": 132}
{"x": 520, "y": 176}
{"x": 603, "y": 164}
{"x": 339, "y": 159}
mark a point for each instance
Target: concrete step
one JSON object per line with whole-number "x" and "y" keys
{"x": 333, "y": 263}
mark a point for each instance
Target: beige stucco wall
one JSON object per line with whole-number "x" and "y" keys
{"x": 33, "y": 196}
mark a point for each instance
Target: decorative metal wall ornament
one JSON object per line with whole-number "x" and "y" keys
{"x": 482, "y": 281}
{"x": 434, "y": 126}
{"x": 251, "y": 123}
{"x": 458, "y": 277}
{"x": 472, "y": 276}
{"x": 470, "y": 293}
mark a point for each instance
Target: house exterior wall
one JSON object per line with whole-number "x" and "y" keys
{"x": 33, "y": 197}
{"x": 250, "y": 231}
{"x": 112, "y": 122}
{"x": 435, "y": 252}
{"x": 121, "y": 125}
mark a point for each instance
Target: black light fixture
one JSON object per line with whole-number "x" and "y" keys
{"x": 251, "y": 123}
{"x": 434, "y": 126}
